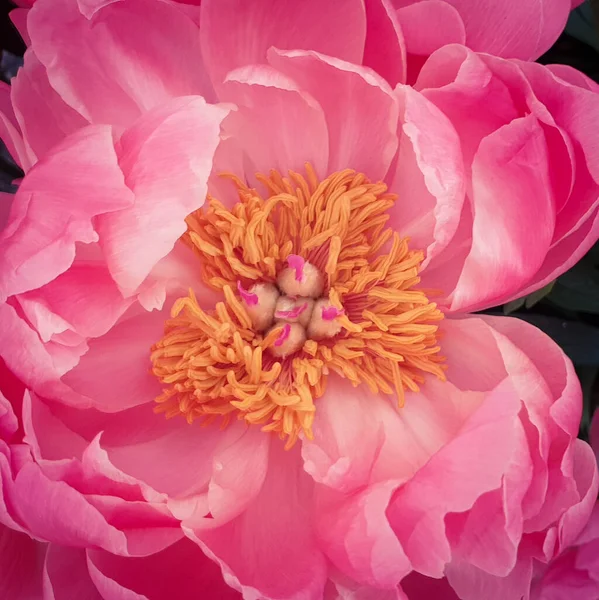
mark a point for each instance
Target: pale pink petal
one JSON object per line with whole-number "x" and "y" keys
{"x": 430, "y": 24}
{"x": 135, "y": 72}
{"x": 45, "y": 119}
{"x": 429, "y": 178}
{"x": 66, "y": 575}
{"x": 385, "y": 50}
{"x": 236, "y": 33}
{"x": 359, "y": 106}
{"x": 21, "y": 560}
{"x": 513, "y": 222}
{"x": 45, "y": 223}
{"x": 277, "y": 125}
{"x": 135, "y": 239}
{"x": 249, "y": 548}
{"x": 357, "y": 537}
{"x": 181, "y": 570}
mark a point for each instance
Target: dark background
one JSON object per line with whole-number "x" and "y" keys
{"x": 568, "y": 309}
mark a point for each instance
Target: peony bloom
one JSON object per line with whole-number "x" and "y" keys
{"x": 248, "y": 223}
{"x": 575, "y": 572}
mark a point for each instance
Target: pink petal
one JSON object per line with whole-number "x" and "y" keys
{"x": 237, "y": 33}
{"x": 277, "y": 125}
{"x": 360, "y": 109}
{"x": 115, "y": 373}
{"x": 357, "y": 537}
{"x": 273, "y": 535}
{"x": 384, "y": 50}
{"x": 28, "y": 357}
{"x": 21, "y": 560}
{"x": 130, "y": 238}
{"x": 160, "y": 576}
{"x": 43, "y": 116}
{"x": 429, "y": 178}
{"x": 417, "y": 516}
{"x": 8, "y": 420}
{"x": 430, "y": 24}
{"x": 136, "y": 71}
{"x": 52, "y": 510}
{"x": 44, "y": 216}
{"x": 513, "y": 214}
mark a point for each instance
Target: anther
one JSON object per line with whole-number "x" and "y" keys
{"x": 294, "y": 310}
{"x": 290, "y": 340}
{"x": 324, "y": 322}
{"x": 260, "y": 302}
{"x": 300, "y": 278}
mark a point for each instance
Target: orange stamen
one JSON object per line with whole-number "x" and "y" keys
{"x": 216, "y": 364}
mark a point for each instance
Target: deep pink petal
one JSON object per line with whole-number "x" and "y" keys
{"x": 429, "y": 178}
{"x": 135, "y": 239}
{"x": 18, "y": 16}
{"x": 162, "y": 576}
{"x": 135, "y": 73}
{"x": 237, "y": 33}
{"x": 66, "y": 575}
{"x": 419, "y": 587}
{"x": 45, "y": 224}
{"x": 273, "y": 535}
{"x": 385, "y": 50}
{"x": 359, "y": 106}
{"x": 276, "y": 125}
{"x": 21, "y": 560}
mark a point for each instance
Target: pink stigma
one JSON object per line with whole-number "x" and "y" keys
{"x": 294, "y": 313}
{"x": 249, "y": 298}
{"x": 297, "y": 262}
{"x": 330, "y": 312}
{"x": 284, "y": 335}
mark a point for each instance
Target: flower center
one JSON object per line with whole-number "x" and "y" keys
{"x": 313, "y": 282}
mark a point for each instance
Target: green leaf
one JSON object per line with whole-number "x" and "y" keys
{"x": 537, "y": 296}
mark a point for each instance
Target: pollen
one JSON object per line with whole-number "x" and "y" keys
{"x": 313, "y": 282}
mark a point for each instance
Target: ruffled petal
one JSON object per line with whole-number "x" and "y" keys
{"x": 45, "y": 224}
{"x": 136, "y": 73}
{"x": 135, "y": 239}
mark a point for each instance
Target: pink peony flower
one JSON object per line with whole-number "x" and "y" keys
{"x": 257, "y": 228}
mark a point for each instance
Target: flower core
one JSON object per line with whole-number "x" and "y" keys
{"x": 313, "y": 283}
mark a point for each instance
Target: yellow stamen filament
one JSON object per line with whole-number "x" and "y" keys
{"x": 217, "y": 364}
